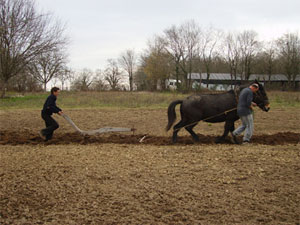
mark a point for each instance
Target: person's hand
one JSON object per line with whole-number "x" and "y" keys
{"x": 253, "y": 104}
{"x": 60, "y": 113}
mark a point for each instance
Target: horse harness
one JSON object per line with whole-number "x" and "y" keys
{"x": 211, "y": 117}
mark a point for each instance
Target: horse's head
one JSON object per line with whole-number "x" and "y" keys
{"x": 260, "y": 98}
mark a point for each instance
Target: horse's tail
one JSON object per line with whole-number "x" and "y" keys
{"x": 172, "y": 113}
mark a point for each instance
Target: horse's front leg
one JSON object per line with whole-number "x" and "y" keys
{"x": 229, "y": 126}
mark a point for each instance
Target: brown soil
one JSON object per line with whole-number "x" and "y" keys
{"x": 115, "y": 179}
{"x": 146, "y": 184}
{"x": 17, "y": 138}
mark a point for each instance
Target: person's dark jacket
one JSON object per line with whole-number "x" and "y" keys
{"x": 244, "y": 104}
{"x": 50, "y": 105}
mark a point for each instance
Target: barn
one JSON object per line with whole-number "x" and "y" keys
{"x": 224, "y": 81}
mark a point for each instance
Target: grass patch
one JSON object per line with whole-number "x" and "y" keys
{"x": 123, "y": 100}
{"x": 284, "y": 99}
{"x": 93, "y": 100}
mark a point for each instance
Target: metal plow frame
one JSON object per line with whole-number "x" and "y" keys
{"x": 97, "y": 131}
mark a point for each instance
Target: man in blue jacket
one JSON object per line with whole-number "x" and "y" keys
{"x": 244, "y": 110}
{"x": 48, "y": 109}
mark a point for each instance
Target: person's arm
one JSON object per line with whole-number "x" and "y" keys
{"x": 52, "y": 105}
{"x": 249, "y": 99}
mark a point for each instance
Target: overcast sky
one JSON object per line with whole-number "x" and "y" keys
{"x": 102, "y": 29}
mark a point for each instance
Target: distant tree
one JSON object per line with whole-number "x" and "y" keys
{"x": 25, "y": 34}
{"x": 191, "y": 37}
{"x": 64, "y": 75}
{"x": 140, "y": 77}
{"x": 127, "y": 62}
{"x": 83, "y": 81}
{"x": 232, "y": 54}
{"x": 267, "y": 60}
{"x": 99, "y": 83}
{"x": 113, "y": 75}
{"x": 157, "y": 64}
{"x": 158, "y": 68}
{"x": 208, "y": 48}
{"x": 289, "y": 56}
{"x": 46, "y": 66}
{"x": 24, "y": 82}
{"x": 175, "y": 46}
{"x": 248, "y": 46}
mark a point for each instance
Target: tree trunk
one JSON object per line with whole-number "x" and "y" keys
{"x": 45, "y": 86}
{"x": 3, "y": 89}
{"x": 207, "y": 79}
{"x": 130, "y": 83}
{"x": 177, "y": 76}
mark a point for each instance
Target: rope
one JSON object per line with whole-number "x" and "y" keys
{"x": 227, "y": 111}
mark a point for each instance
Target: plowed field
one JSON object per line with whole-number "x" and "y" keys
{"x": 116, "y": 179}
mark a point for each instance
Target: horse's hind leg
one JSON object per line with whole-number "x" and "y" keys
{"x": 176, "y": 128}
{"x": 190, "y": 130}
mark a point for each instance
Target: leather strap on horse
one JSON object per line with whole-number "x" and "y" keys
{"x": 208, "y": 118}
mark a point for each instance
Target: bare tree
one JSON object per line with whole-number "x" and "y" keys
{"x": 248, "y": 45}
{"x": 232, "y": 54}
{"x": 24, "y": 35}
{"x": 269, "y": 56}
{"x": 191, "y": 37}
{"x": 112, "y": 74}
{"x": 46, "y": 66}
{"x": 99, "y": 83}
{"x": 64, "y": 75}
{"x": 127, "y": 62}
{"x": 83, "y": 81}
{"x": 24, "y": 82}
{"x": 174, "y": 45}
{"x": 182, "y": 44}
{"x": 140, "y": 77}
{"x": 207, "y": 49}
{"x": 289, "y": 53}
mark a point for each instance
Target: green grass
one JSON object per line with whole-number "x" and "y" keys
{"x": 93, "y": 100}
{"x": 122, "y": 100}
{"x": 284, "y": 99}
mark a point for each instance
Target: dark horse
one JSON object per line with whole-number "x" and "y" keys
{"x": 212, "y": 108}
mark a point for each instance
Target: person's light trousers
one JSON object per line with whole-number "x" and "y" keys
{"x": 247, "y": 126}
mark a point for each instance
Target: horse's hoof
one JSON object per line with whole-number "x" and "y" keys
{"x": 219, "y": 140}
{"x": 196, "y": 140}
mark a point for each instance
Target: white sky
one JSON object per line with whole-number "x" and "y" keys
{"x": 102, "y": 29}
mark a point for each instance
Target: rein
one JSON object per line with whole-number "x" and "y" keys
{"x": 227, "y": 111}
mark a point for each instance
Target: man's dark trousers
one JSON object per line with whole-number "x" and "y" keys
{"x": 51, "y": 126}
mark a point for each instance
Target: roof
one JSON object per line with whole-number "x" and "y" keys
{"x": 226, "y": 76}
{"x": 213, "y": 76}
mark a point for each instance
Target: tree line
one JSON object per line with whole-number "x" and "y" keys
{"x": 188, "y": 48}
{"x": 33, "y": 48}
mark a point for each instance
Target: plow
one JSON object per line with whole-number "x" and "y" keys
{"x": 97, "y": 131}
